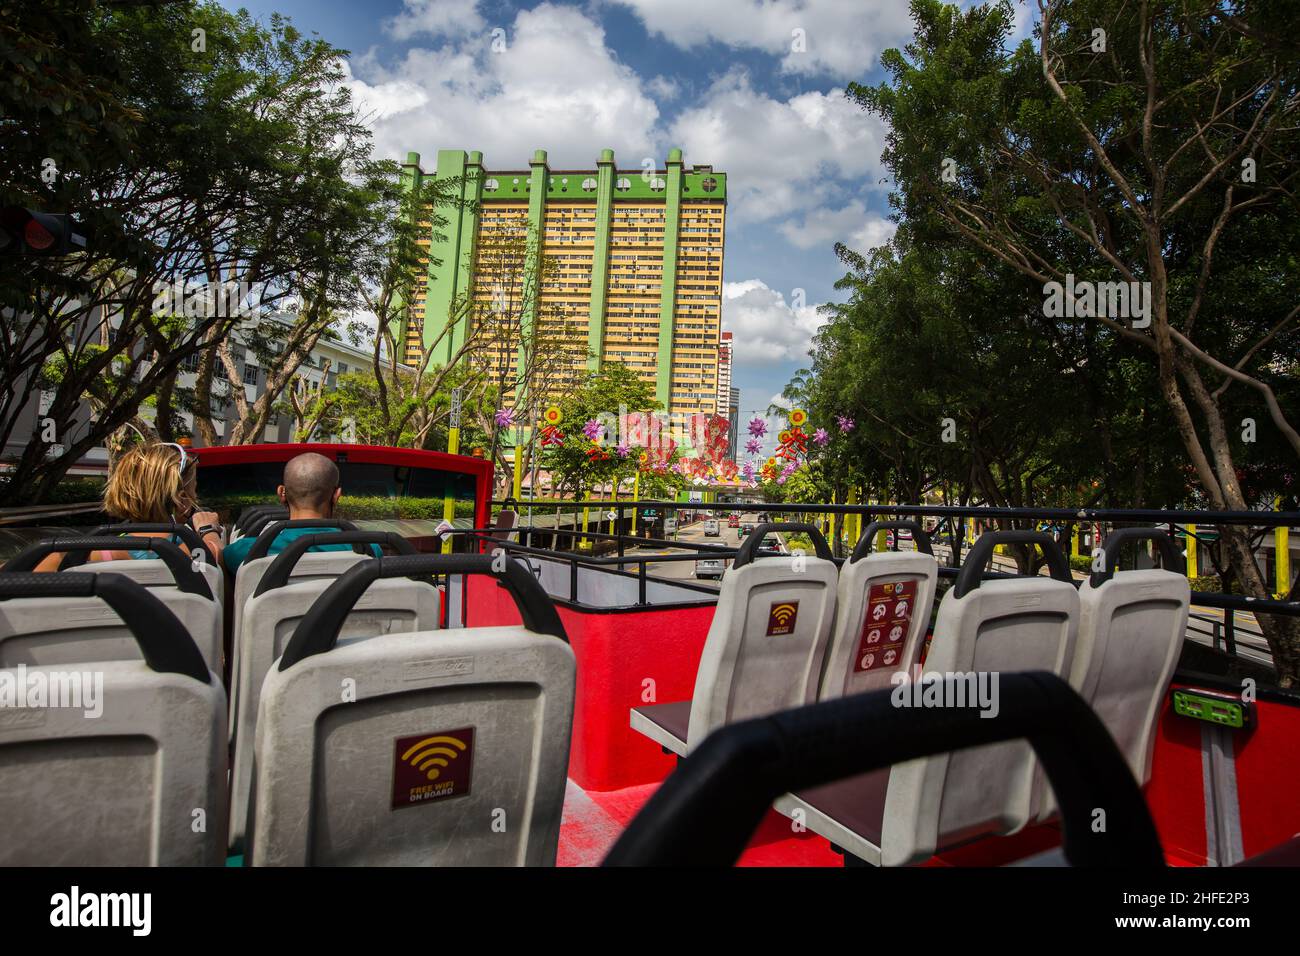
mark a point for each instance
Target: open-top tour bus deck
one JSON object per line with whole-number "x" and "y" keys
{"x": 522, "y": 691}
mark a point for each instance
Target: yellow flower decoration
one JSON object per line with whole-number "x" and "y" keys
{"x": 798, "y": 417}
{"x": 552, "y": 416}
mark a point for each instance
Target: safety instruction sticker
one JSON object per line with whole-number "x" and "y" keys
{"x": 885, "y": 626}
{"x": 434, "y": 766}
{"x": 781, "y": 617}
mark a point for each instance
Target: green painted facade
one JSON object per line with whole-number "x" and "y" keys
{"x": 668, "y": 293}
{"x": 452, "y": 257}
{"x": 600, "y": 258}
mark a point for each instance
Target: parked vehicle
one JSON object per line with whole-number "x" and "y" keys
{"x": 710, "y": 567}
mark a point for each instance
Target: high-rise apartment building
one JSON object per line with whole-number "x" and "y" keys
{"x": 724, "y": 372}
{"x": 733, "y": 420}
{"x": 630, "y": 269}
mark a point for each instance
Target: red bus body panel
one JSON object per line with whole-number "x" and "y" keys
{"x": 363, "y": 454}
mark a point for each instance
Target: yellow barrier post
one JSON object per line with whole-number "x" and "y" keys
{"x": 1191, "y": 551}
{"x": 636, "y": 496}
{"x": 519, "y": 461}
{"x": 850, "y": 532}
{"x": 453, "y": 448}
{"x": 1281, "y": 556}
{"x": 585, "y": 514}
{"x": 1074, "y": 542}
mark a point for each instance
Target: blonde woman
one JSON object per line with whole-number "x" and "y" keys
{"x": 153, "y": 483}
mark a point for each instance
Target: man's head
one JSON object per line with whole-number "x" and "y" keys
{"x": 311, "y": 486}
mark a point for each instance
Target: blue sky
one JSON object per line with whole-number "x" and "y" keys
{"x": 753, "y": 87}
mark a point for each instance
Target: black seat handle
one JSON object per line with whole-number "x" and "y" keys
{"x": 189, "y": 537}
{"x": 864, "y": 545}
{"x": 187, "y": 579}
{"x": 1170, "y": 559}
{"x": 281, "y": 569}
{"x": 707, "y": 809}
{"x": 266, "y": 537}
{"x": 258, "y": 515}
{"x": 164, "y": 643}
{"x": 972, "y": 569}
{"x": 318, "y": 631}
{"x": 749, "y": 550}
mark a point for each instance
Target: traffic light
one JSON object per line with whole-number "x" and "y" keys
{"x": 27, "y": 233}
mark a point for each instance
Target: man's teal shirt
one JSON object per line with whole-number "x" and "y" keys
{"x": 234, "y": 554}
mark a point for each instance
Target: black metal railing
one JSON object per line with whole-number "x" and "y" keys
{"x": 953, "y": 518}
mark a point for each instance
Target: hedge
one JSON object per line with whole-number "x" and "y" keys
{"x": 356, "y": 507}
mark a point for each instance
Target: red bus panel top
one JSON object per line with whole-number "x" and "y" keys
{"x": 478, "y": 470}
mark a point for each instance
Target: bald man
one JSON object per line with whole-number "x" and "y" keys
{"x": 310, "y": 490}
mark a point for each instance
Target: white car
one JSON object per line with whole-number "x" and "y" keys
{"x": 710, "y": 567}
{"x": 711, "y": 528}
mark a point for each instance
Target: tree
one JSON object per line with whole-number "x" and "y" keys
{"x": 599, "y": 397}
{"x": 187, "y": 185}
{"x": 1163, "y": 157}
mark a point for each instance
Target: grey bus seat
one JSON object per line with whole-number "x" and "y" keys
{"x": 390, "y": 606}
{"x": 904, "y": 814}
{"x": 706, "y": 812}
{"x": 139, "y": 777}
{"x": 150, "y": 575}
{"x": 49, "y": 631}
{"x": 504, "y": 526}
{"x": 435, "y": 748}
{"x": 257, "y": 516}
{"x": 765, "y": 648}
{"x": 882, "y": 613}
{"x": 1131, "y": 630}
{"x": 259, "y": 558}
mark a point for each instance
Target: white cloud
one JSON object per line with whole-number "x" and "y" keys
{"x": 439, "y": 18}
{"x": 779, "y": 400}
{"x": 555, "y": 85}
{"x": 852, "y": 224}
{"x": 780, "y": 156}
{"x": 843, "y": 38}
{"x": 767, "y": 329}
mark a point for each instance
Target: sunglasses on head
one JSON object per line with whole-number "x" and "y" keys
{"x": 185, "y": 458}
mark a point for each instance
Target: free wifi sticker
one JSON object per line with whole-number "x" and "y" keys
{"x": 781, "y": 617}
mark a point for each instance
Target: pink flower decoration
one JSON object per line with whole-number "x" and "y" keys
{"x": 846, "y": 424}
{"x": 505, "y": 417}
{"x": 821, "y": 437}
{"x": 592, "y": 429}
{"x": 622, "y": 451}
{"x": 753, "y": 446}
{"x": 757, "y": 427}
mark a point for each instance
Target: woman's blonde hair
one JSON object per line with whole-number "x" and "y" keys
{"x": 146, "y": 484}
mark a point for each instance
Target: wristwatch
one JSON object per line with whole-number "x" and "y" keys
{"x": 208, "y": 529}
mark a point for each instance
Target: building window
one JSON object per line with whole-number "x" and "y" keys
{"x": 250, "y": 374}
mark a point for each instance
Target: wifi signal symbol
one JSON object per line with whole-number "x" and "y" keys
{"x": 783, "y": 613}
{"x": 432, "y": 753}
